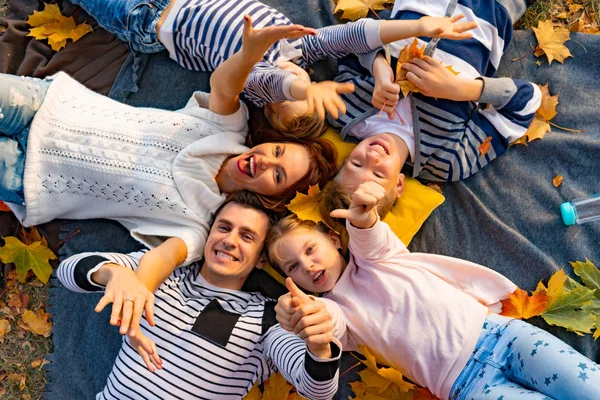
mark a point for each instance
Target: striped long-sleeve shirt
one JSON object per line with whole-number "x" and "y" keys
{"x": 448, "y": 133}
{"x": 201, "y": 34}
{"x": 215, "y": 343}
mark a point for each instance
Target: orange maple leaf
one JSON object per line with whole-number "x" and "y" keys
{"x": 485, "y": 146}
{"x": 406, "y": 54}
{"x": 37, "y": 322}
{"x": 4, "y": 207}
{"x": 540, "y": 126}
{"x": 522, "y": 306}
{"x": 551, "y": 41}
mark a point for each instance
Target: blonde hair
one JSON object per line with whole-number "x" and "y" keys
{"x": 337, "y": 195}
{"x": 286, "y": 225}
{"x": 304, "y": 126}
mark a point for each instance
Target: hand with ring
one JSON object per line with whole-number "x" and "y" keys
{"x": 129, "y": 297}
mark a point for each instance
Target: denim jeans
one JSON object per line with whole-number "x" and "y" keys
{"x": 20, "y": 98}
{"x": 132, "y": 21}
{"x": 515, "y": 360}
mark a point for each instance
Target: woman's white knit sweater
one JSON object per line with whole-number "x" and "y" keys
{"x": 152, "y": 170}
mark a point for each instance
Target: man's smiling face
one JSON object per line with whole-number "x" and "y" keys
{"x": 234, "y": 245}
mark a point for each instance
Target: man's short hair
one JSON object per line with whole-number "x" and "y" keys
{"x": 249, "y": 200}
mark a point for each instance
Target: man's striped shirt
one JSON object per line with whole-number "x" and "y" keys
{"x": 201, "y": 34}
{"x": 205, "y": 357}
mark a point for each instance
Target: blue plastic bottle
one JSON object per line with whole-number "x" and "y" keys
{"x": 580, "y": 211}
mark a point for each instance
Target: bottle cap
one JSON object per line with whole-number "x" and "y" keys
{"x": 568, "y": 213}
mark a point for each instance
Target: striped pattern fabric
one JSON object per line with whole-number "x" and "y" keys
{"x": 448, "y": 134}
{"x": 195, "y": 367}
{"x": 207, "y": 32}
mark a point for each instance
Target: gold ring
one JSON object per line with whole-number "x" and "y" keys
{"x": 129, "y": 299}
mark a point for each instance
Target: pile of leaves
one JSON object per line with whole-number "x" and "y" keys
{"x": 564, "y": 302}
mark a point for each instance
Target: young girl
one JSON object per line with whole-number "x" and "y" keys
{"x": 161, "y": 174}
{"x": 201, "y": 34}
{"x": 426, "y": 315}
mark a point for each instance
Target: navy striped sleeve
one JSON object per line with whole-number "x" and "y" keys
{"x": 338, "y": 41}
{"x": 268, "y": 84}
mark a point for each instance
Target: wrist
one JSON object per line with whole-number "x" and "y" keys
{"x": 299, "y": 89}
{"x": 323, "y": 351}
{"x": 469, "y": 90}
{"x": 104, "y": 274}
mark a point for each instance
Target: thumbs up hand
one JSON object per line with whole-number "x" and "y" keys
{"x": 300, "y": 313}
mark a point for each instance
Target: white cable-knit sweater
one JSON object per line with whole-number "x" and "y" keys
{"x": 152, "y": 170}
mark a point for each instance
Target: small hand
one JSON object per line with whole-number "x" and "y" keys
{"x": 325, "y": 96}
{"x": 129, "y": 297}
{"x": 255, "y": 42}
{"x": 147, "y": 349}
{"x": 432, "y": 78}
{"x": 362, "y": 212}
{"x": 447, "y": 27}
{"x": 311, "y": 321}
{"x": 285, "y": 309}
{"x": 386, "y": 93}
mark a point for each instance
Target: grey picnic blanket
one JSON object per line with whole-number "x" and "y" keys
{"x": 505, "y": 217}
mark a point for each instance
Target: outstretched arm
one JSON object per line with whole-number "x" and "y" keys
{"x": 228, "y": 80}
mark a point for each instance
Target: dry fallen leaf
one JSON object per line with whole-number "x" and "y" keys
{"x": 356, "y": 9}
{"x": 4, "y": 207}
{"x": 37, "y": 323}
{"x": 485, "y": 146}
{"x": 551, "y": 41}
{"x": 406, "y": 54}
{"x": 557, "y": 180}
{"x": 306, "y": 207}
{"x": 18, "y": 378}
{"x": 520, "y": 305}
{"x": 4, "y": 328}
{"x": 35, "y": 256}
{"x": 276, "y": 388}
{"x": 50, "y": 24}
{"x": 540, "y": 126}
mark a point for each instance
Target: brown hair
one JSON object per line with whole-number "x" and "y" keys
{"x": 284, "y": 226}
{"x": 247, "y": 199}
{"x": 336, "y": 195}
{"x": 304, "y": 126}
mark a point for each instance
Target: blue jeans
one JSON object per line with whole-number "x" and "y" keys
{"x": 515, "y": 360}
{"x": 132, "y": 21}
{"x": 20, "y": 98}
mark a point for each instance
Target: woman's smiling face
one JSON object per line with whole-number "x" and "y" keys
{"x": 268, "y": 169}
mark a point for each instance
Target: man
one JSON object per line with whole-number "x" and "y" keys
{"x": 215, "y": 340}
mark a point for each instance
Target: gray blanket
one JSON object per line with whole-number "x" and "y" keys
{"x": 505, "y": 217}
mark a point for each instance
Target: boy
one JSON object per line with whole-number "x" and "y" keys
{"x": 439, "y": 130}
{"x": 201, "y": 34}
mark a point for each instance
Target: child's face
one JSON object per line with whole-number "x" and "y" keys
{"x": 310, "y": 258}
{"x": 378, "y": 158}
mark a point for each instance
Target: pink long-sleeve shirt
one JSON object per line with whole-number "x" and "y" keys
{"x": 418, "y": 313}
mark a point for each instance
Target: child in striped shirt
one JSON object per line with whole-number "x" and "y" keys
{"x": 442, "y": 130}
{"x": 201, "y": 34}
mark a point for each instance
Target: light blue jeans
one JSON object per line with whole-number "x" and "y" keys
{"x": 515, "y": 360}
{"x": 132, "y": 21}
{"x": 20, "y": 98}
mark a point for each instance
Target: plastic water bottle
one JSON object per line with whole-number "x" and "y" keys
{"x": 580, "y": 211}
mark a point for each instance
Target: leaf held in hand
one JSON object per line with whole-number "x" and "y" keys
{"x": 551, "y": 41}
{"x": 37, "y": 322}
{"x": 485, "y": 146}
{"x": 50, "y": 24}
{"x": 557, "y": 181}
{"x": 408, "y": 53}
{"x": 356, "y": 9}
{"x": 35, "y": 256}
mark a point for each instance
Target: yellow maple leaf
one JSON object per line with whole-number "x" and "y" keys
{"x": 555, "y": 286}
{"x": 254, "y": 393}
{"x": 356, "y": 9}
{"x": 373, "y": 375}
{"x": 35, "y": 256}
{"x": 522, "y": 306}
{"x": 4, "y": 328}
{"x": 276, "y": 388}
{"x": 306, "y": 207}
{"x": 540, "y": 126}
{"x": 37, "y": 323}
{"x": 50, "y": 24}
{"x": 551, "y": 41}
{"x": 597, "y": 331}
{"x": 397, "y": 379}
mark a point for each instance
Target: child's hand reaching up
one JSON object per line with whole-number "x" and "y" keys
{"x": 255, "y": 42}
{"x": 446, "y": 27}
{"x": 362, "y": 212}
{"x": 302, "y": 314}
